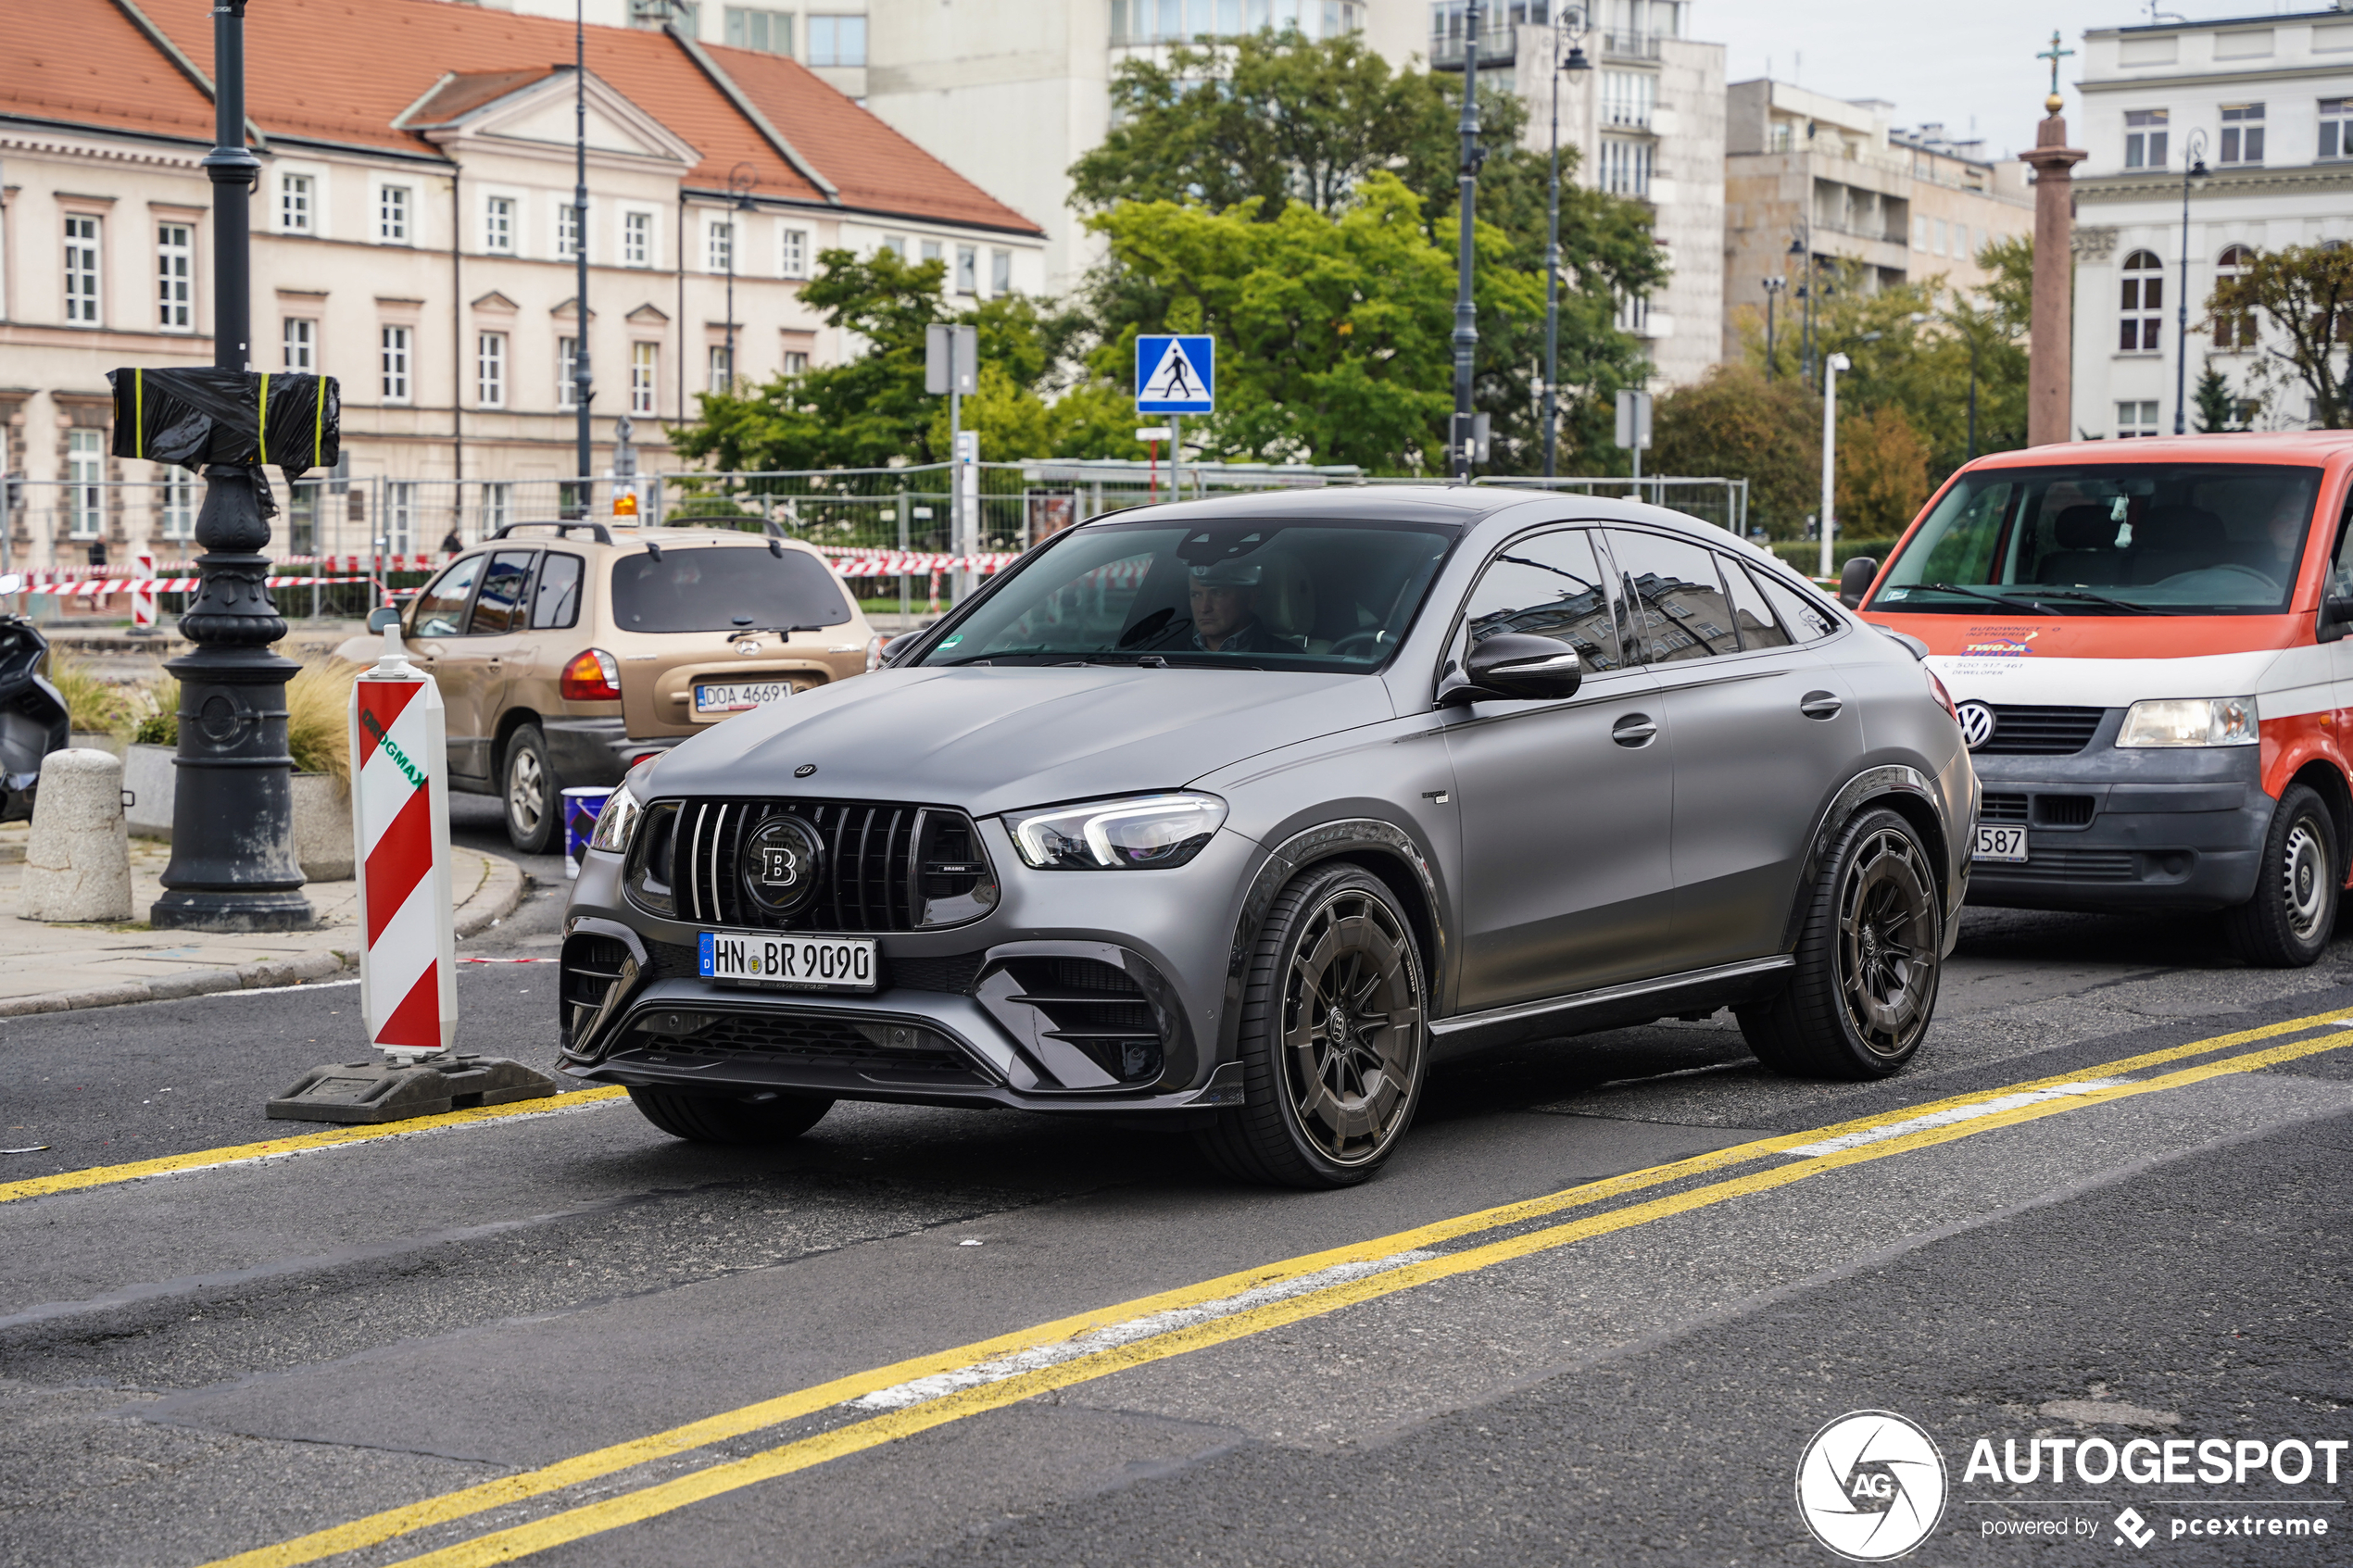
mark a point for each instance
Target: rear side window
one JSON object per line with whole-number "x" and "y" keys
{"x": 556, "y": 600}
{"x": 1550, "y": 586}
{"x": 1682, "y": 611}
{"x": 499, "y": 606}
{"x": 1805, "y": 619}
{"x": 1753, "y": 615}
{"x": 722, "y": 588}
{"x": 441, "y": 609}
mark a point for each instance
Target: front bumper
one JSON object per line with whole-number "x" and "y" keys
{"x": 2163, "y": 828}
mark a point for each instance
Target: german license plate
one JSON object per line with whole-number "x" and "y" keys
{"x": 2000, "y": 844}
{"x": 801, "y": 963}
{"x": 715, "y": 699}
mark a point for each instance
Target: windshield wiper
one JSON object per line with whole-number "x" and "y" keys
{"x": 784, "y": 632}
{"x": 2026, "y": 605}
{"x": 2125, "y": 605}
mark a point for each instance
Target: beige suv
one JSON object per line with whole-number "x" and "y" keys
{"x": 567, "y": 651}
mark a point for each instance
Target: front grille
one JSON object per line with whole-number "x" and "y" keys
{"x": 2072, "y": 865}
{"x": 1096, "y": 1006}
{"x": 2062, "y": 810}
{"x": 2024, "y": 731}
{"x": 884, "y": 867}
{"x": 675, "y": 960}
{"x": 671, "y": 1036}
{"x": 2003, "y": 808}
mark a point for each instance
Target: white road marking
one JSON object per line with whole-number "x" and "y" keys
{"x": 1958, "y": 1113}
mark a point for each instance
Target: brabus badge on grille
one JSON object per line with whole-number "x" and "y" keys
{"x": 783, "y": 862}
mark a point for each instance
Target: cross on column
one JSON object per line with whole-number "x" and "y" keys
{"x": 2055, "y": 54}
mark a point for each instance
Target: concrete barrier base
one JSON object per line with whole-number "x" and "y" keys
{"x": 376, "y": 1091}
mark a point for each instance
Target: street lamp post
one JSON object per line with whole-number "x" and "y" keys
{"x": 2193, "y": 174}
{"x": 1773, "y": 287}
{"x": 1802, "y": 248}
{"x": 1466, "y": 337}
{"x": 1831, "y": 367}
{"x": 232, "y": 857}
{"x": 741, "y": 180}
{"x": 583, "y": 388}
{"x": 1569, "y": 25}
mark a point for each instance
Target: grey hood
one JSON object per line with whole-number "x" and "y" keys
{"x": 999, "y": 739}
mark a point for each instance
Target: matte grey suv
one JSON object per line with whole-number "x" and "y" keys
{"x": 1239, "y": 814}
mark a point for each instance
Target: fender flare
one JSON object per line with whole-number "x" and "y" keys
{"x": 1872, "y": 784}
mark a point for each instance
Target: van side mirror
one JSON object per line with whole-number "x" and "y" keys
{"x": 2336, "y": 615}
{"x": 1855, "y": 581}
{"x": 383, "y": 616}
{"x": 1517, "y": 667}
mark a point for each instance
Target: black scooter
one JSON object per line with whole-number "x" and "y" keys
{"x": 34, "y": 722}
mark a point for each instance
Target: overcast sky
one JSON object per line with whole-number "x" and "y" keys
{"x": 1935, "y": 63}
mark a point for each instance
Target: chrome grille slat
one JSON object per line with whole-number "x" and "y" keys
{"x": 874, "y": 878}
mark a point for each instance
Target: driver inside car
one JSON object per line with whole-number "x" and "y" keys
{"x": 1225, "y": 606}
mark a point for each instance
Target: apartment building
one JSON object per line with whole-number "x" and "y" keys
{"x": 828, "y": 36}
{"x": 414, "y": 236}
{"x": 2266, "y": 105}
{"x": 1809, "y": 175}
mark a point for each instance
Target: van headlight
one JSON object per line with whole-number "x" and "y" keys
{"x": 2205, "y": 721}
{"x": 1141, "y": 833}
{"x": 617, "y": 824}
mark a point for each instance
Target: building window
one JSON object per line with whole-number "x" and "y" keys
{"x": 2234, "y": 332}
{"x": 1175, "y": 21}
{"x": 490, "y": 370}
{"x": 498, "y": 225}
{"x": 796, "y": 362}
{"x": 566, "y": 350}
{"x": 1942, "y": 237}
{"x": 85, "y": 472}
{"x": 2143, "y": 303}
{"x": 638, "y": 239}
{"x": 176, "y": 277}
{"x": 644, "y": 360}
{"x": 2334, "y": 115}
{"x": 497, "y": 509}
{"x": 719, "y": 246}
{"x": 2136, "y": 418}
{"x": 299, "y": 336}
{"x": 395, "y": 364}
{"x": 567, "y": 231}
{"x": 768, "y": 31}
{"x": 931, "y": 252}
{"x": 1000, "y": 271}
{"x": 176, "y": 508}
{"x": 1625, "y": 167}
{"x": 794, "y": 255}
{"x": 723, "y": 369}
{"x": 1628, "y": 97}
{"x": 688, "y": 14}
{"x": 837, "y": 41}
{"x": 81, "y": 271}
{"x": 294, "y": 203}
{"x": 392, "y": 215}
{"x": 2241, "y": 133}
{"x": 1634, "y": 315}
{"x": 967, "y": 270}
{"x": 400, "y": 519}
{"x": 896, "y": 244}
{"x": 2145, "y": 135}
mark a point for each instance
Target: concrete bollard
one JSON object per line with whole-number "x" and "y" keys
{"x": 78, "y": 865}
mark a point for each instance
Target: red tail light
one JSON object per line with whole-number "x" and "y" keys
{"x": 592, "y": 676}
{"x": 1944, "y": 697}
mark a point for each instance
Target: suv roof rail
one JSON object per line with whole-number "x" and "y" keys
{"x": 597, "y": 531}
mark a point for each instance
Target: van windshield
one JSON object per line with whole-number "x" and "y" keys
{"x": 2108, "y": 539}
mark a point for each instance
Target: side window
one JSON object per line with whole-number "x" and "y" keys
{"x": 1550, "y": 585}
{"x": 556, "y": 602}
{"x": 1753, "y": 615}
{"x": 499, "y": 607}
{"x": 1680, "y": 609}
{"x": 1806, "y": 619}
{"x": 2341, "y": 569}
{"x": 441, "y": 609}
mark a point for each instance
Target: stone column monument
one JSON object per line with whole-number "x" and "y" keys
{"x": 2050, "y": 409}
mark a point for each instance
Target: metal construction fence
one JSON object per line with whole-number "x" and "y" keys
{"x": 342, "y": 545}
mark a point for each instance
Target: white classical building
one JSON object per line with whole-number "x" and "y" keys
{"x": 2267, "y": 103}
{"x": 414, "y": 237}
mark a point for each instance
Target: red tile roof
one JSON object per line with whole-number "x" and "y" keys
{"x": 88, "y": 64}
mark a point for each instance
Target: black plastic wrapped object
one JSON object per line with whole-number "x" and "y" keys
{"x": 290, "y": 420}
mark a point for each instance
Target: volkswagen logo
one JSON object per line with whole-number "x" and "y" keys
{"x": 1870, "y": 1485}
{"x": 783, "y": 864}
{"x": 1977, "y": 724}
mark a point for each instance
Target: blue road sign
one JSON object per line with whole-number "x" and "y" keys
{"x": 1177, "y": 375}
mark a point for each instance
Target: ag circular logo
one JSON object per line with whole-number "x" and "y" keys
{"x": 1977, "y": 724}
{"x": 1871, "y": 1486}
{"x": 782, "y": 862}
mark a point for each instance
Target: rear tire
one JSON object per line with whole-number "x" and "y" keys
{"x": 1334, "y": 1038}
{"x": 1865, "y": 987}
{"x": 533, "y": 793}
{"x": 2288, "y": 922}
{"x": 716, "y": 1119}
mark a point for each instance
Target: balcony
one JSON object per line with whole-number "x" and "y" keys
{"x": 1498, "y": 45}
{"x": 1629, "y": 46}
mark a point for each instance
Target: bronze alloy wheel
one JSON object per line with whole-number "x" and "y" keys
{"x": 1886, "y": 949}
{"x": 1351, "y": 1027}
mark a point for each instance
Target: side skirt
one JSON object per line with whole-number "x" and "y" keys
{"x": 1612, "y": 1007}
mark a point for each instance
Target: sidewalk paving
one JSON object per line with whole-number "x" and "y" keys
{"x": 48, "y": 967}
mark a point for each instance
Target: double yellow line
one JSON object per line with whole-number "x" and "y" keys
{"x": 1008, "y": 1386}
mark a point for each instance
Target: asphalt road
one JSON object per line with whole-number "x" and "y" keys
{"x": 2109, "y": 1205}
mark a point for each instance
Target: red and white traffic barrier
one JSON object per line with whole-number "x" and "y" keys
{"x": 860, "y": 561}
{"x": 400, "y": 823}
{"x": 99, "y": 587}
{"x": 143, "y": 598}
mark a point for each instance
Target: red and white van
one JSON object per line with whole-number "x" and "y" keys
{"x": 2147, "y": 641}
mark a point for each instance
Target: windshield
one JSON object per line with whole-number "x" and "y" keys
{"x": 721, "y": 588}
{"x": 1300, "y": 596}
{"x": 2108, "y": 539}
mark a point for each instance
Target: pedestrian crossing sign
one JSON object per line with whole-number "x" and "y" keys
{"x": 1176, "y": 374}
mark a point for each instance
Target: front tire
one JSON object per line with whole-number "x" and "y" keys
{"x": 2289, "y": 920}
{"x": 1864, "y": 991}
{"x": 716, "y": 1118}
{"x": 534, "y": 794}
{"x": 1334, "y": 1038}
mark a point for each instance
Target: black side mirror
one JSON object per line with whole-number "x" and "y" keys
{"x": 1855, "y": 581}
{"x": 2336, "y": 614}
{"x": 383, "y": 616}
{"x": 1515, "y": 665}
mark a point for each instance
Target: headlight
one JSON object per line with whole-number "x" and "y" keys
{"x": 1142, "y": 832}
{"x": 617, "y": 824}
{"x": 2218, "y": 721}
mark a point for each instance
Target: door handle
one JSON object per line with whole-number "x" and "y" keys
{"x": 1820, "y": 705}
{"x": 1633, "y": 730}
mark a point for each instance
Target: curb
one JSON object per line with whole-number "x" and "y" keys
{"x": 493, "y": 901}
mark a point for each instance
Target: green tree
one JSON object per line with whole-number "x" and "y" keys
{"x": 1737, "y": 424}
{"x": 2216, "y": 408}
{"x": 2302, "y": 295}
{"x": 1882, "y": 472}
